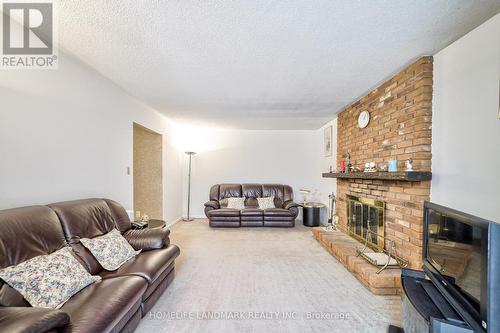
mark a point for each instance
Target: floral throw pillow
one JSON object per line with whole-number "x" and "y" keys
{"x": 236, "y": 203}
{"x": 48, "y": 281}
{"x": 111, "y": 250}
{"x": 266, "y": 203}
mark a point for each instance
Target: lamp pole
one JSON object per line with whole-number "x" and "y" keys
{"x": 190, "y": 153}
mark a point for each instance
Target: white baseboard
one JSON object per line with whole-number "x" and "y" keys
{"x": 171, "y": 224}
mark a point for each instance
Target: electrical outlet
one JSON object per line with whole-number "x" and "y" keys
{"x": 137, "y": 214}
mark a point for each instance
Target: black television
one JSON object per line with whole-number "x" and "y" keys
{"x": 461, "y": 256}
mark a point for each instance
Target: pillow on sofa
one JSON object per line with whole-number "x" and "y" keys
{"x": 236, "y": 203}
{"x": 111, "y": 250}
{"x": 48, "y": 281}
{"x": 266, "y": 203}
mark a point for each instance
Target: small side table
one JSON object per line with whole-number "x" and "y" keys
{"x": 154, "y": 224}
{"x": 311, "y": 214}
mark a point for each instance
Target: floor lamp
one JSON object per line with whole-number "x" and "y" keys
{"x": 190, "y": 153}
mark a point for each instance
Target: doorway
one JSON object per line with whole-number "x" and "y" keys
{"x": 148, "y": 172}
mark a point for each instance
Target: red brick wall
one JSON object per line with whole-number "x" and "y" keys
{"x": 400, "y": 128}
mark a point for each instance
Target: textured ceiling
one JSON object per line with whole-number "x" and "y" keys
{"x": 259, "y": 64}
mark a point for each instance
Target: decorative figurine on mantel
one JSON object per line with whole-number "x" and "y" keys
{"x": 349, "y": 165}
{"x": 382, "y": 167}
{"x": 409, "y": 164}
{"x": 370, "y": 167}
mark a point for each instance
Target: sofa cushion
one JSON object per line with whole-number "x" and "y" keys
{"x": 229, "y": 191}
{"x": 252, "y": 190}
{"x": 48, "y": 281}
{"x": 11, "y": 297}
{"x": 252, "y": 217}
{"x": 120, "y": 215}
{"x": 32, "y": 320}
{"x": 287, "y": 193}
{"x": 102, "y": 306}
{"x": 277, "y": 212}
{"x": 251, "y": 222}
{"x": 28, "y": 232}
{"x": 110, "y": 250}
{"x": 236, "y": 203}
{"x": 25, "y": 233}
{"x": 280, "y": 223}
{"x": 226, "y": 222}
{"x": 155, "y": 290}
{"x": 251, "y": 203}
{"x": 224, "y": 212}
{"x": 87, "y": 218}
{"x": 150, "y": 265}
{"x": 251, "y": 212}
{"x": 89, "y": 261}
{"x": 266, "y": 203}
{"x": 214, "y": 192}
{"x": 276, "y": 191}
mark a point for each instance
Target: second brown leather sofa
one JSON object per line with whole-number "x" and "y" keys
{"x": 114, "y": 304}
{"x": 283, "y": 215}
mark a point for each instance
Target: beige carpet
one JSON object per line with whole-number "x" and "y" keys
{"x": 263, "y": 280}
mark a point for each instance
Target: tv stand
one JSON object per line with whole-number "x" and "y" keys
{"x": 424, "y": 309}
{"x": 440, "y": 302}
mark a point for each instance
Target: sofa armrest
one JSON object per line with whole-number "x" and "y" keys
{"x": 32, "y": 320}
{"x": 148, "y": 239}
{"x": 292, "y": 207}
{"x": 212, "y": 204}
{"x": 289, "y": 204}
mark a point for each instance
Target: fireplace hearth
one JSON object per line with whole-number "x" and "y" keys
{"x": 366, "y": 214}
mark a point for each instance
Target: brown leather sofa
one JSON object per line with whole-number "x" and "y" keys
{"x": 283, "y": 215}
{"x": 114, "y": 304}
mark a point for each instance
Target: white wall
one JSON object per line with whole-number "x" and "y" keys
{"x": 466, "y": 124}
{"x": 250, "y": 156}
{"x": 326, "y": 185}
{"x": 67, "y": 134}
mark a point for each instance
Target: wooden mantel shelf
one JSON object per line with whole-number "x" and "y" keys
{"x": 405, "y": 176}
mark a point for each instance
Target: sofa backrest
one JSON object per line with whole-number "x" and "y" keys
{"x": 89, "y": 218}
{"x": 85, "y": 218}
{"x": 120, "y": 215}
{"x": 28, "y": 232}
{"x": 25, "y": 233}
{"x": 251, "y": 192}
{"x": 281, "y": 193}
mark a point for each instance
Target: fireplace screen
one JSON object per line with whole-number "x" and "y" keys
{"x": 362, "y": 212}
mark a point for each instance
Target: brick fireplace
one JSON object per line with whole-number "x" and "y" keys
{"x": 400, "y": 128}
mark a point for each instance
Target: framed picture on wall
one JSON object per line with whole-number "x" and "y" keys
{"x": 328, "y": 141}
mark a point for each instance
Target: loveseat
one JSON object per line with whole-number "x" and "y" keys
{"x": 282, "y": 215}
{"x": 114, "y": 304}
